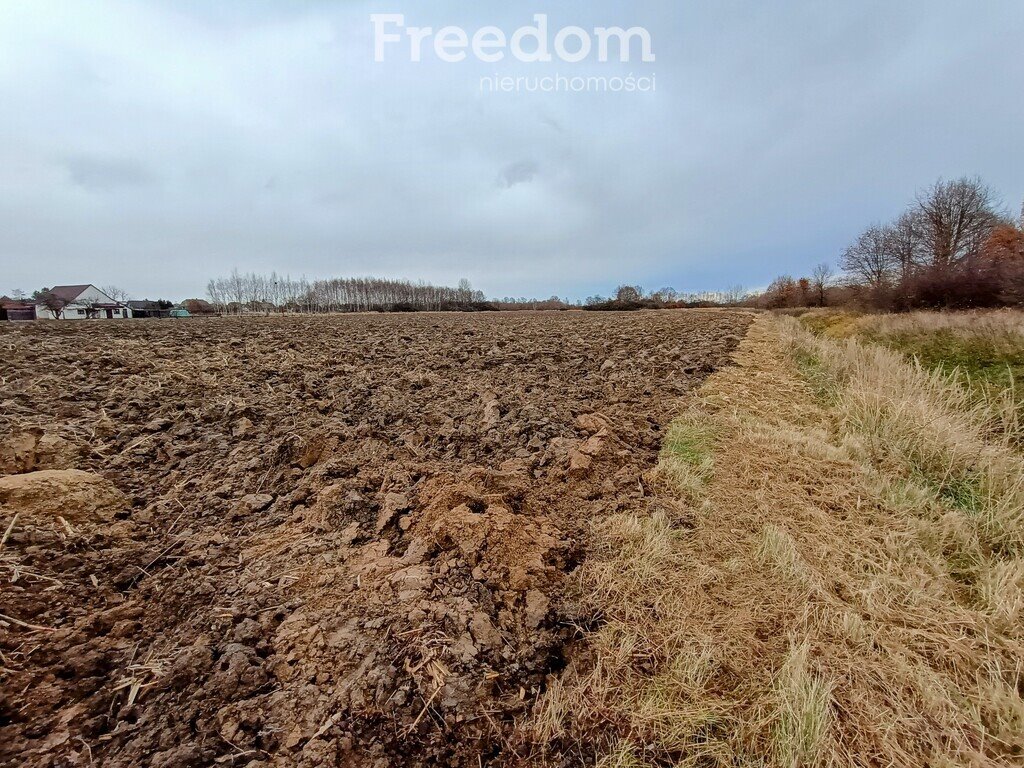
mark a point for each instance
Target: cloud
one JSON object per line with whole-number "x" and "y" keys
{"x": 519, "y": 172}
{"x": 106, "y": 174}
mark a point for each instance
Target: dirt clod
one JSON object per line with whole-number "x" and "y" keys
{"x": 75, "y": 495}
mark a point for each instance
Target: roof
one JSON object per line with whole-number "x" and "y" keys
{"x": 68, "y": 292}
{"x": 144, "y": 304}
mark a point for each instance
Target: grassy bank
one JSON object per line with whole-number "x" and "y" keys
{"x": 981, "y": 351}
{"x": 830, "y": 573}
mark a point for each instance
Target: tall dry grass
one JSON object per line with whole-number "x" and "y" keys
{"x": 981, "y": 351}
{"x": 953, "y": 457}
{"x": 924, "y": 427}
{"x": 999, "y": 329}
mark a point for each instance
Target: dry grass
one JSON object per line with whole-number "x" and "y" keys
{"x": 687, "y": 454}
{"x": 982, "y": 352}
{"x": 804, "y": 721}
{"x": 649, "y": 672}
{"x": 923, "y": 426}
{"x": 997, "y": 330}
{"x": 846, "y": 588}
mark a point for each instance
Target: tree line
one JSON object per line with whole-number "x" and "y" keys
{"x": 253, "y": 292}
{"x": 954, "y": 246}
{"x": 628, "y": 297}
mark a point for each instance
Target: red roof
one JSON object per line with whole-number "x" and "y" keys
{"x": 68, "y": 292}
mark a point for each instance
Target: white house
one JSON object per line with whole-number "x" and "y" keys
{"x": 81, "y": 302}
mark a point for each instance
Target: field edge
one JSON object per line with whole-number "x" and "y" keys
{"x": 794, "y": 595}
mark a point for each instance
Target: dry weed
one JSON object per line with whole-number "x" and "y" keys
{"x": 804, "y": 717}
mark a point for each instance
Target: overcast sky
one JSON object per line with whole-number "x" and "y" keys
{"x": 154, "y": 145}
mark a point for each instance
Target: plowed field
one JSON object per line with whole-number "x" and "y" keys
{"x": 329, "y": 540}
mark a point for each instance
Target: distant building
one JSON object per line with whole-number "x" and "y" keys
{"x": 81, "y": 302}
{"x": 17, "y": 309}
{"x": 148, "y": 308}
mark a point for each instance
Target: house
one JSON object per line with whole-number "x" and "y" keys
{"x": 80, "y": 302}
{"x": 150, "y": 308}
{"x": 16, "y": 309}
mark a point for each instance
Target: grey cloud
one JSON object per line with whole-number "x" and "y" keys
{"x": 106, "y": 174}
{"x": 520, "y": 172}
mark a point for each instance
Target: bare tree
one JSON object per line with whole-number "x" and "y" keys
{"x": 938, "y": 252}
{"x": 254, "y": 292}
{"x": 117, "y": 294}
{"x": 236, "y": 289}
{"x": 904, "y": 241}
{"x": 734, "y": 295}
{"x": 869, "y": 258}
{"x": 214, "y": 289}
{"x": 956, "y": 218}
{"x": 821, "y": 277}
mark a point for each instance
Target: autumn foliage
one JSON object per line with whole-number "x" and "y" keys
{"x": 953, "y": 247}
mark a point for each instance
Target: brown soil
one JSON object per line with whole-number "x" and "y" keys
{"x": 344, "y": 540}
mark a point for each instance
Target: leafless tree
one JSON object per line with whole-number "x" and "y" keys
{"x": 264, "y": 293}
{"x": 117, "y": 294}
{"x": 948, "y": 249}
{"x": 821, "y": 277}
{"x": 905, "y": 241}
{"x": 465, "y": 290}
{"x": 956, "y": 217}
{"x": 869, "y": 258}
{"x": 735, "y": 295}
{"x": 214, "y": 289}
{"x": 235, "y": 287}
